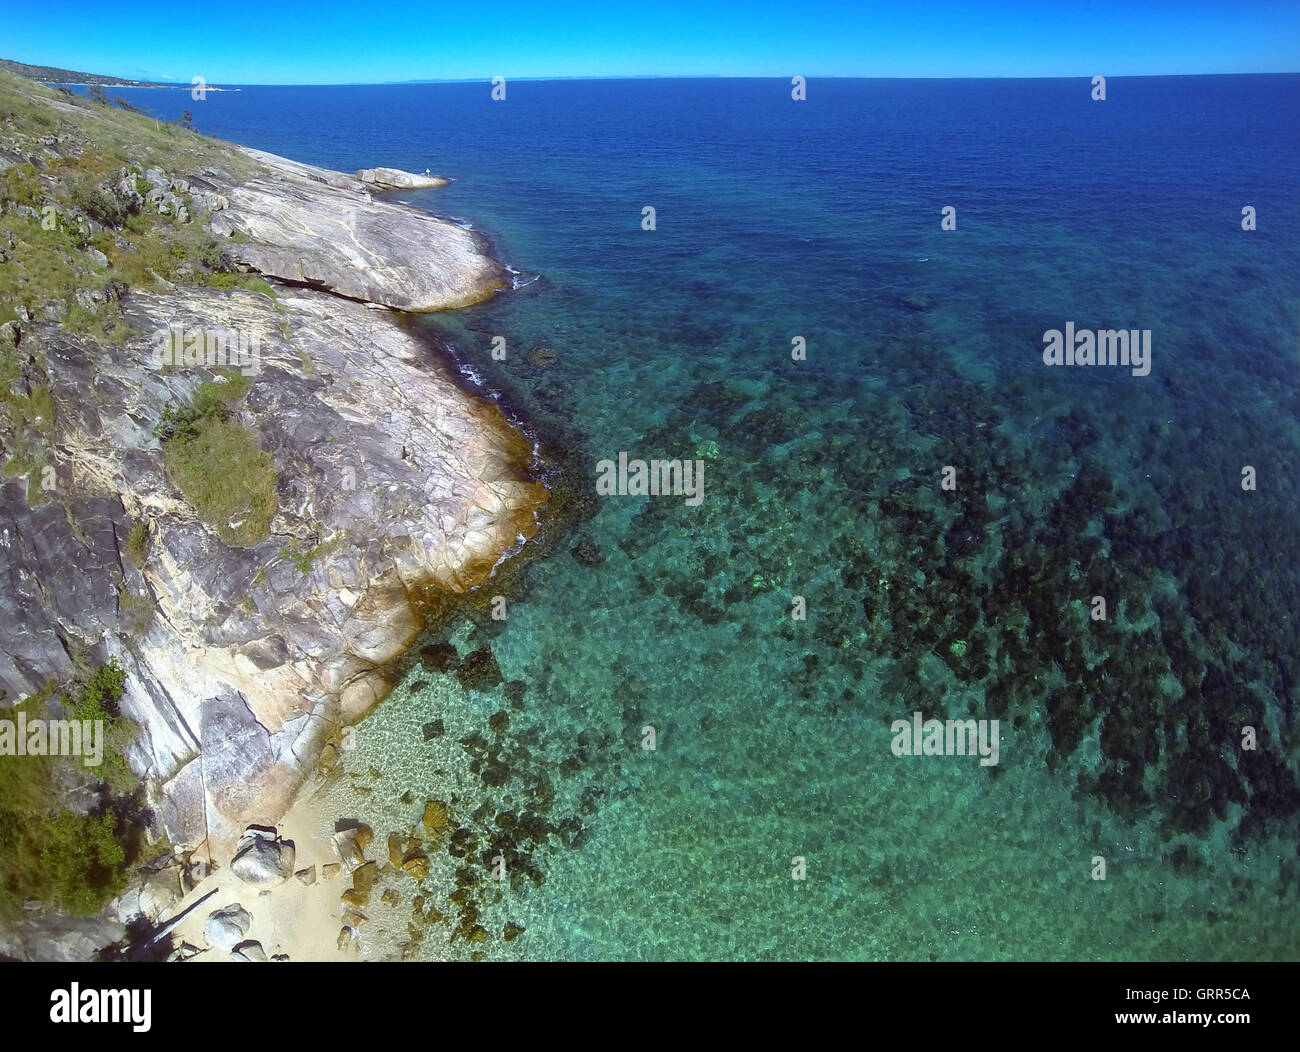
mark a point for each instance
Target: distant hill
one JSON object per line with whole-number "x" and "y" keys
{"x": 54, "y": 75}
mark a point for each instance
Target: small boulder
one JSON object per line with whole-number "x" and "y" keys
{"x": 349, "y": 846}
{"x": 248, "y": 951}
{"x": 226, "y": 928}
{"x": 364, "y": 879}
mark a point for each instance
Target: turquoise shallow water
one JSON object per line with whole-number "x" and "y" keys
{"x": 1119, "y": 739}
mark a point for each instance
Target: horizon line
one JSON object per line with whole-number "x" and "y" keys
{"x": 214, "y": 85}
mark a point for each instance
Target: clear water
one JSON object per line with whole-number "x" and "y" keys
{"x": 821, "y": 219}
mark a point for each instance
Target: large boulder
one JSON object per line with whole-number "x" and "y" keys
{"x": 263, "y": 859}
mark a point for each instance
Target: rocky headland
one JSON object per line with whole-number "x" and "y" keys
{"x": 248, "y": 644}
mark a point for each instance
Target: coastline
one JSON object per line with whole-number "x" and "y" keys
{"x": 399, "y": 493}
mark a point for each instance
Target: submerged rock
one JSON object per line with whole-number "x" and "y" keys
{"x": 437, "y": 817}
{"x": 479, "y": 670}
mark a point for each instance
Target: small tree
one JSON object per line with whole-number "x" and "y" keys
{"x": 98, "y": 94}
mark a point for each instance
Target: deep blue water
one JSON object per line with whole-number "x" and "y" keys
{"x": 821, "y": 219}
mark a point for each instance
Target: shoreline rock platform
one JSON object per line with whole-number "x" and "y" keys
{"x": 395, "y": 486}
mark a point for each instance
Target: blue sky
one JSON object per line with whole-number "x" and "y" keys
{"x": 328, "y": 42}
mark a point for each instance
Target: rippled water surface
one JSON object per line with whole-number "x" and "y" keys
{"x": 1119, "y": 739}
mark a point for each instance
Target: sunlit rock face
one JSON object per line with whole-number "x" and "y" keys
{"x": 394, "y": 484}
{"x": 316, "y": 227}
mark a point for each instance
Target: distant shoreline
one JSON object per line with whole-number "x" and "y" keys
{"x": 87, "y": 84}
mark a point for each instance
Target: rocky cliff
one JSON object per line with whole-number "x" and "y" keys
{"x": 244, "y": 663}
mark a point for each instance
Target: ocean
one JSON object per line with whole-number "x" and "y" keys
{"x": 905, "y": 510}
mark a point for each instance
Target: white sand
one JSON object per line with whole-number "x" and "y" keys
{"x": 293, "y": 918}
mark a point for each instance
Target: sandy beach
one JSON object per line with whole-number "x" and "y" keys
{"x": 298, "y": 920}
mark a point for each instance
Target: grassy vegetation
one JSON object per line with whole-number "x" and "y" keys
{"x": 133, "y": 136}
{"x": 304, "y": 558}
{"x": 68, "y": 860}
{"x": 229, "y": 280}
{"x": 27, "y": 419}
{"x": 210, "y": 400}
{"x": 137, "y": 544}
{"x": 137, "y": 610}
{"x": 64, "y": 227}
{"x": 72, "y": 220}
{"x": 217, "y": 464}
{"x": 48, "y": 253}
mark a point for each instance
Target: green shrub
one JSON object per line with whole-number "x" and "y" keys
{"x": 98, "y": 203}
{"x": 85, "y": 861}
{"x": 210, "y": 400}
{"x": 232, "y": 484}
{"x": 101, "y": 694}
{"x": 137, "y": 544}
{"x": 73, "y": 862}
{"x": 234, "y": 280}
